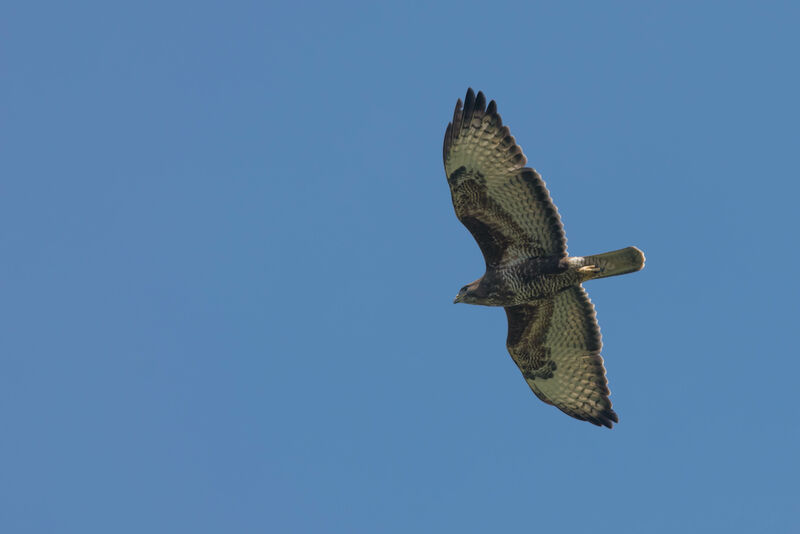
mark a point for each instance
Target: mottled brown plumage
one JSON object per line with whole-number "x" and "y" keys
{"x": 553, "y": 335}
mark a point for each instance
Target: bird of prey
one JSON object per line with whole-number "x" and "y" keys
{"x": 553, "y": 335}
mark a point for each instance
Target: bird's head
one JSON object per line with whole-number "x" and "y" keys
{"x": 467, "y": 293}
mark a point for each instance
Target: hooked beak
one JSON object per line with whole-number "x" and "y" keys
{"x": 458, "y": 298}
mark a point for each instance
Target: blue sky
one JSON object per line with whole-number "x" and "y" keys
{"x": 229, "y": 259}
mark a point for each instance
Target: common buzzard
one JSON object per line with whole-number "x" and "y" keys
{"x": 553, "y": 335}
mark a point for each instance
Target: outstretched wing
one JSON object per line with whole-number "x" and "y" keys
{"x": 556, "y": 344}
{"x": 505, "y": 205}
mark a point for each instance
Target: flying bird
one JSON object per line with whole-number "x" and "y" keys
{"x": 553, "y": 335}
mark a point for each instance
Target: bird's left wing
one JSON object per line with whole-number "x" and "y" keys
{"x": 504, "y": 204}
{"x": 556, "y": 344}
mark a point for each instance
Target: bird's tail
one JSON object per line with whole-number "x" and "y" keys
{"x": 623, "y": 261}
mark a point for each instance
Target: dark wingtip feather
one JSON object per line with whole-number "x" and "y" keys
{"x": 447, "y": 140}
{"x": 457, "y": 115}
{"x": 607, "y": 418}
{"x": 452, "y": 130}
{"x": 610, "y": 420}
{"x": 469, "y": 107}
{"x": 465, "y": 112}
{"x": 480, "y": 102}
{"x": 600, "y": 421}
{"x": 469, "y": 99}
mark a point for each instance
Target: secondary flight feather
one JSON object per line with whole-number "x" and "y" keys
{"x": 553, "y": 335}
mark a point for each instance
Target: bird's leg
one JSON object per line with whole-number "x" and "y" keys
{"x": 590, "y": 269}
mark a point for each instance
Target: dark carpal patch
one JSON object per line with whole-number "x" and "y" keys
{"x": 494, "y": 229}
{"x": 528, "y": 325}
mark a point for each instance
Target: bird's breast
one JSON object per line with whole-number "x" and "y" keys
{"x": 526, "y": 281}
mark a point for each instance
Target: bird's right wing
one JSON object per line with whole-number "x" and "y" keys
{"x": 505, "y": 205}
{"x": 556, "y": 344}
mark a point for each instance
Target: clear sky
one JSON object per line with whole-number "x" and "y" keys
{"x": 229, "y": 257}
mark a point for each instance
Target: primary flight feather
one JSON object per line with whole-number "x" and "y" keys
{"x": 553, "y": 335}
